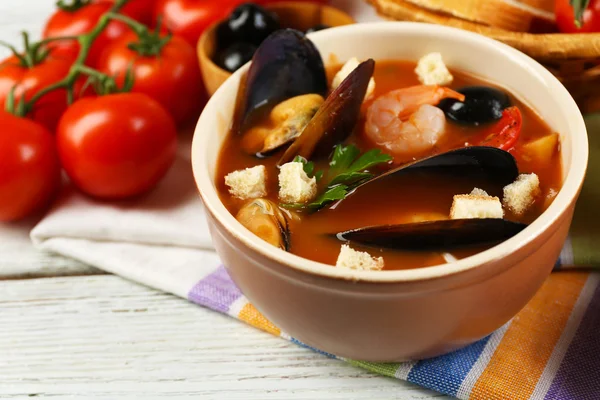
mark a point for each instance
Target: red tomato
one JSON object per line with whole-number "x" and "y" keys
{"x": 27, "y": 81}
{"x": 189, "y": 18}
{"x": 140, "y": 10}
{"x": 172, "y": 77}
{"x": 65, "y": 23}
{"x": 116, "y": 146}
{"x": 29, "y": 168}
{"x": 263, "y": 2}
{"x": 506, "y": 131}
{"x": 565, "y": 17}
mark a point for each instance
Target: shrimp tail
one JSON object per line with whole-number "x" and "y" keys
{"x": 447, "y": 93}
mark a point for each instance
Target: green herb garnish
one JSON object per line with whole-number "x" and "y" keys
{"x": 309, "y": 168}
{"x": 346, "y": 171}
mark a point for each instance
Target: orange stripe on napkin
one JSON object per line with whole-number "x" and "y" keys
{"x": 520, "y": 358}
{"x": 251, "y": 315}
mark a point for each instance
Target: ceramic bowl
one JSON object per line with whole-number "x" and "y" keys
{"x": 292, "y": 14}
{"x": 407, "y": 314}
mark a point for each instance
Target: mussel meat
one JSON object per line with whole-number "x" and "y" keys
{"x": 337, "y": 117}
{"x": 482, "y": 104}
{"x": 497, "y": 165}
{"x": 435, "y": 235}
{"x": 287, "y": 120}
{"x": 267, "y": 221}
{"x": 286, "y": 65}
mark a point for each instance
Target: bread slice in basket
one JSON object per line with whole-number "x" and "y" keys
{"x": 512, "y": 15}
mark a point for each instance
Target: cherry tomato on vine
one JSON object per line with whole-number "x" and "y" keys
{"x": 65, "y": 22}
{"x": 189, "y": 18}
{"x": 164, "y": 69}
{"x": 116, "y": 146}
{"x": 29, "y": 78}
{"x": 140, "y": 10}
{"x": 565, "y": 16}
{"x": 29, "y": 167}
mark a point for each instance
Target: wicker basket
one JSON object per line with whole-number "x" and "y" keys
{"x": 573, "y": 58}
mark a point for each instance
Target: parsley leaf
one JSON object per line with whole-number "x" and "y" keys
{"x": 309, "y": 167}
{"x": 354, "y": 173}
{"x": 348, "y": 169}
{"x": 331, "y": 194}
{"x": 342, "y": 158}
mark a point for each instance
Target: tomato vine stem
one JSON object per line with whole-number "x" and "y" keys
{"x": 85, "y": 43}
{"x": 150, "y": 43}
{"x": 579, "y": 7}
{"x": 33, "y": 53}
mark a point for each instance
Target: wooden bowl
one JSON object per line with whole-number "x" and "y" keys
{"x": 292, "y": 14}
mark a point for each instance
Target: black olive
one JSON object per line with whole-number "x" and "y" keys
{"x": 235, "y": 56}
{"x": 482, "y": 104}
{"x": 224, "y": 35}
{"x": 317, "y": 28}
{"x": 249, "y": 23}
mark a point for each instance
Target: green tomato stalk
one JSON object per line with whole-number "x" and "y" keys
{"x": 150, "y": 43}
{"x": 105, "y": 82}
{"x": 33, "y": 53}
{"x": 579, "y": 7}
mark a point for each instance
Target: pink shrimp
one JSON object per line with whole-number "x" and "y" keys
{"x": 405, "y": 122}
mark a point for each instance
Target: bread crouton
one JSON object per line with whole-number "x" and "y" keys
{"x": 521, "y": 194}
{"x": 475, "y": 206}
{"x": 431, "y": 70}
{"x": 249, "y": 183}
{"x": 358, "y": 260}
{"x": 479, "y": 192}
{"x": 343, "y": 73}
{"x": 294, "y": 184}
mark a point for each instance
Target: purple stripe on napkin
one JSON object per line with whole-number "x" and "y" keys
{"x": 216, "y": 291}
{"x": 578, "y": 377}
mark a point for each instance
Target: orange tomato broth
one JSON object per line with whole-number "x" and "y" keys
{"x": 407, "y": 198}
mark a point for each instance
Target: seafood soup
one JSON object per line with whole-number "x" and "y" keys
{"x": 381, "y": 164}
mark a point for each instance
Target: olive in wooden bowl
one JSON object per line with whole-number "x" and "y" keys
{"x": 227, "y": 45}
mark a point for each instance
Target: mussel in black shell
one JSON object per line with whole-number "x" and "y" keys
{"x": 435, "y": 235}
{"x": 337, "y": 117}
{"x": 267, "y": 221}
{"x": 287, "y": 121}
{"x": 286, "y": 65}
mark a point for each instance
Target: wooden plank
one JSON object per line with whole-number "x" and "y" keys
{"x": 19, "y": 259}
{"x": 103, "y": 337}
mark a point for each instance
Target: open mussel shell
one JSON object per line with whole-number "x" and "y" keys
{"x": 497, "y": 165}
{"x": 337, "y": 117}
{"x": 435, "y": 235}
{"x": 286, "y": 64}
{"x": 288, "y": 120}
{"x": 267, "y": 221}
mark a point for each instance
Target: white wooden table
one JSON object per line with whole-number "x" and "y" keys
{"x": 69, "y": 331}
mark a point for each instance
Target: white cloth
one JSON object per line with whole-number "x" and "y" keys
{"x": 160, "y": 240}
